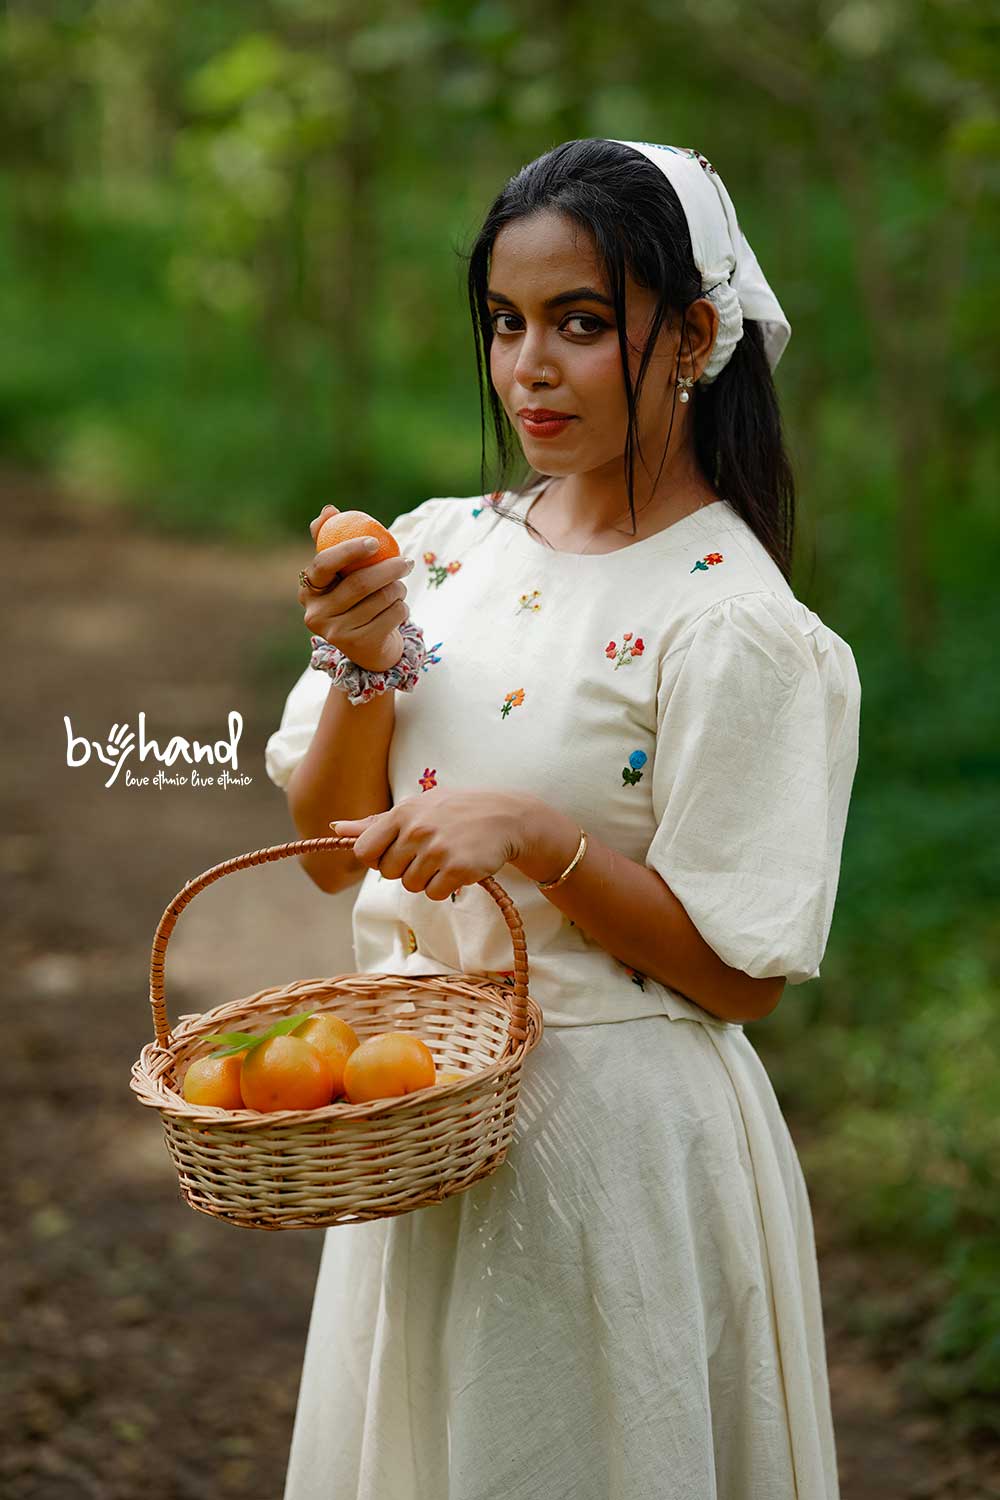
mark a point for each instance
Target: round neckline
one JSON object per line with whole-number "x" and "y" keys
{"x": 522, "y": 504}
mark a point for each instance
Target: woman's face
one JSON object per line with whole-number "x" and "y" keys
{"x": 576, "y": 344}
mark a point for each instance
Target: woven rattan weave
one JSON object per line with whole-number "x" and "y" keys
{"x": 345, "y": 1163}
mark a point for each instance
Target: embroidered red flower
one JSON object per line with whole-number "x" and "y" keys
{"x": 627, "y": 652}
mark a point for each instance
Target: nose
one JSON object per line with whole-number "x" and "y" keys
{"x": 532, "y": 359}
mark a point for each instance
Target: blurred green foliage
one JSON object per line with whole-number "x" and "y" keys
{"x": 229, "y": 292}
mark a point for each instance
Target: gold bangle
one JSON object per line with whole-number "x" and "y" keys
{"x": 547, "y": 885}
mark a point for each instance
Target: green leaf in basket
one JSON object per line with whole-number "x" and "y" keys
{"x": 232, "y": 1041}
{"x": 288, "y": 1023}
{"x": 247, "y": 1046}
{"x": 228, "y": 1042}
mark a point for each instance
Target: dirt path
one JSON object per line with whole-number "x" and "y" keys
{"x": 151, "y": 1353}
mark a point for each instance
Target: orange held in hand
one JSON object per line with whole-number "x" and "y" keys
{"x": 334, "y": 1039}
{"x": 215, "y": 1080}
{"x": 388, "y": 1065}
{"x": 285, "y": 1072}
{"x": 348, "y": 524}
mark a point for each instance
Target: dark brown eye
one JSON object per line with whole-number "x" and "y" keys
{"x": 598, "y": 323}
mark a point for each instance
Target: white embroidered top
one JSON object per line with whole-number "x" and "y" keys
{"x": 674, "y": 697}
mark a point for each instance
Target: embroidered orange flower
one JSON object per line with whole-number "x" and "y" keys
{"x": 527, "y": 601}
{"x": 437, "y": 573}
{"x": 411, "y": 940}
{"x": 428, "y": 779}
{"x": 636, "y": 975}
{"x": 512, "y": 700}
{"x": 709, "y": 560}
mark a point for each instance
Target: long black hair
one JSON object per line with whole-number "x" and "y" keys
{"x": 638, "y": 225}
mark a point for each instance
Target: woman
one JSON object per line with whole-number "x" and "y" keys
{"x": 627, "y": 717}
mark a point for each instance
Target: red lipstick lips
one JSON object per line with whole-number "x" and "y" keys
{"x": 542, "y": 422}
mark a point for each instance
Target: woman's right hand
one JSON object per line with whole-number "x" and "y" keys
{"x": 362, "y": 611}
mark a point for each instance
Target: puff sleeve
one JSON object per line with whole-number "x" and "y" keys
{"x": 287, "y": 746}
{"x": 758, "y": 711}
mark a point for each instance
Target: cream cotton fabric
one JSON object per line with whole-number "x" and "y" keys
{"x": 629, "y": 1307}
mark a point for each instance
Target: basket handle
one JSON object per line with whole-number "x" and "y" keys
{"x": 166, "y": 924}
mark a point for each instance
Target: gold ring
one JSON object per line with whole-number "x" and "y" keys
{"x": 307, "y": 583}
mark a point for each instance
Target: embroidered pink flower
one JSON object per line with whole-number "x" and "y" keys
{"x": 428, "y": 779}
{"x": 489, "y": 502}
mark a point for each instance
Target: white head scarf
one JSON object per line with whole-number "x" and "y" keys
{"x": 730, "y": 275}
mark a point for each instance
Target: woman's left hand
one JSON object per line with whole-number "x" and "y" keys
{"x": 441, "y": 840}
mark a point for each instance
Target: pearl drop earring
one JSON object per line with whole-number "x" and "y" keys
{"x": 685, "y": 382}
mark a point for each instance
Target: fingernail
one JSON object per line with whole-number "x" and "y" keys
{"x": 411, "y": 563}
{"x": 370, "y": 544}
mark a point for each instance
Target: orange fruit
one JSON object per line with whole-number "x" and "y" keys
{"x": 215, "y": 1080}
{"x": 348, "y": 524}
{"x": 285, "y": 1072}
{"x": 334, "y": 1039}
{"x": 388, "y": 1065}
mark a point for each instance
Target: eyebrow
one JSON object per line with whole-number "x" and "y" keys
{"x": 578, "y": 294}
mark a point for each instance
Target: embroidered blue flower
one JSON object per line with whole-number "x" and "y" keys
{"x": 633, "y": 771}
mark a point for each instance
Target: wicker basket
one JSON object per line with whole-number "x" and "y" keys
{"x": 345, "y": 1163}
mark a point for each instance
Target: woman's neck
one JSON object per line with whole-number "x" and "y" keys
{"x": 569, "y": 524}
